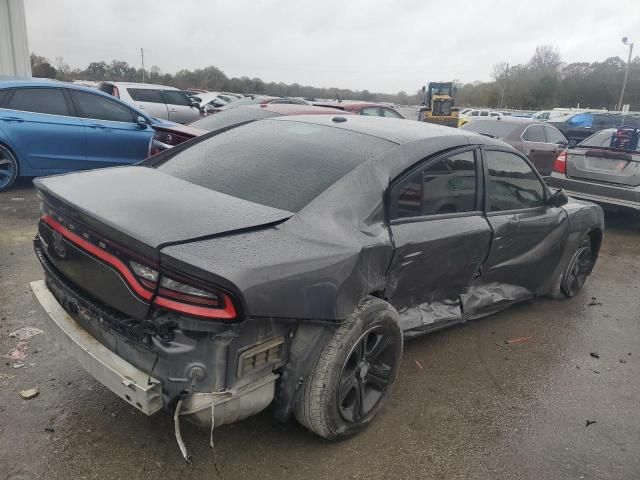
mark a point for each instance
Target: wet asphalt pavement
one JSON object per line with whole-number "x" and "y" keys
{"x": 466, "y": 404}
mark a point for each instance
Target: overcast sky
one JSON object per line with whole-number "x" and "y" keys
{"x": 379, "y": 45}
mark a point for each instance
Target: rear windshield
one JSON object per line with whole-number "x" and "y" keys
{"x": 233, "y": 116}
{"x": 281, "y": 164}
{"x": 494, "y": 128}
{"x": 617, "y": 139}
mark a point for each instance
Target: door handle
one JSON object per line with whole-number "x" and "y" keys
{"x": 13, "y": 119}
{"x": 172, "y": 109}
{"x": 96, "y": 125}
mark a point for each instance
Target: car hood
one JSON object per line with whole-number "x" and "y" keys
{"x": 145, "y": 209}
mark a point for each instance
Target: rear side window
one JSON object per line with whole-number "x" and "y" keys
{"x": 444, "y": 186}
{"x": 100, "y": 108}
{"x": 146, "y": 95}
{"x": 107, "y": 88}
{"x": 3, "y": 93}
{"x": 278, "y": 163}
{"x": 231, "y": 117}
{"x": 554, "y": 135}
{"x": 386, "y": 112}
{"x": 174, "y": 97}
{"x": 39, "y": 100}
{"x": 534, "y": 133}
{"x": 511, "y": 184}
{"x": 370, "y": 112}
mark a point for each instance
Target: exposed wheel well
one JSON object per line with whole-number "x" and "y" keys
{"x": 595, "y": 236}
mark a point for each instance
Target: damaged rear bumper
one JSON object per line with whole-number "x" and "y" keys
{"x": 125, "y": 380}
{"x": 140, "y": 389}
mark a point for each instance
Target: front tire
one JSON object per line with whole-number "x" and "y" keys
{"x": 577, "y": 270}
{"x": 8, "y": 168}
{"x": 354, "y": 373}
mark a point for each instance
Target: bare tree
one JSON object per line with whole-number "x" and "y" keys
{"x": 546, "y": 58}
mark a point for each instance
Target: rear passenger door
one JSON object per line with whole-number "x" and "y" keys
{"x": 43, "y": 129}
{"x": 112, "y": 132}
{"x": 529, "y": 234}
{"x": 179, "y": 107}
{"x": 150, "y": 101}
{"x": 440, "y": 235}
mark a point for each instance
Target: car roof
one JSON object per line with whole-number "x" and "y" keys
{"x": 385, "y": 128}
{"x": 46, "y": 82}
{"x": 296, "y": 109}
{"x": 31, "y": 82}
{"x": 140, "y": 85}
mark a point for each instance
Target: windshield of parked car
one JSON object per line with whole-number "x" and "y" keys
{"x": 233, "y": 116}
{"x": 493, "y": 128}
{"x": 281, "y": 164}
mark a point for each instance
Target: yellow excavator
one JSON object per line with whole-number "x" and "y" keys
{"x": 437, "y": 105}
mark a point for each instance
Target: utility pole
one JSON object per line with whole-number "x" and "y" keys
{"x": 625, "y": 40}
{"x": 142, "y": 55}
{"x": 504, "y": 85}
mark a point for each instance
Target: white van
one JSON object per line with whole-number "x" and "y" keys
{"x": 158, "y": 101}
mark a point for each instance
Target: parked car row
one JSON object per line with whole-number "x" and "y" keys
{"x": 540, "y": 142}
{"x": 49, "y": 127}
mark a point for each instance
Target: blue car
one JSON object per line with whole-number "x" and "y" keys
{"x": 49, "y": 127}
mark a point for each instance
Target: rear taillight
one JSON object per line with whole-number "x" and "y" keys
{"x": 560, "y": 165}
{"x": 163, "y": 140}
{"x": 181, "y": 297}
{"x": 187, "y": 299}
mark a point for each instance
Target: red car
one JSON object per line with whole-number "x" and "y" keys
{"x": 167, "y": 137}
{"x": 371, "y": 109}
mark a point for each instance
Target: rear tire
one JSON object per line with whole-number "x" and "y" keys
{"x": 354, "y": 373}
{"x": 8, "y": 168}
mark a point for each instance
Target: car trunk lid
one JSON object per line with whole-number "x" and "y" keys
{"x": 604, "y": 165}
{"x": 96, "y": 223}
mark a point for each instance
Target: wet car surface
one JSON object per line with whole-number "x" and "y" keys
{"x": 466, "y": 404}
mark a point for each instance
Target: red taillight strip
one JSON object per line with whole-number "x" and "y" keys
{"x": 226, "y": 313}
{"x": 106, "y": 257}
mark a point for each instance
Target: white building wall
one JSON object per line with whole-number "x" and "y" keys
{"x": 14, "y": 49}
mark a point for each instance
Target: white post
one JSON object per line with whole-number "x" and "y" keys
{"x": 14, "y": 48}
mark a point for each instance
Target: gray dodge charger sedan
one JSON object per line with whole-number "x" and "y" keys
{"x": 283, "y": 261}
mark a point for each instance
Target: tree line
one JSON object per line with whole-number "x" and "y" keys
{"x": 542, "y": 83}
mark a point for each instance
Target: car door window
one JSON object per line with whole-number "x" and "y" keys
{"x": 39, "y": 100}
{"x": 386, "y": 112}
{"x": 100, "y": 108}
{"x": 371, "y": 112}
{"x": 484, "y": 113}
{"x": 581, "y": 120}
{"x": 474, "y": 113}
{"x": 174, "y": 97}
{"x": 446, "y": 185}
{"x": 146, "y": 95}
{"x": 511, "y": 184}
{"x": 534, "y": 133}
{"x": 554, "y": 135}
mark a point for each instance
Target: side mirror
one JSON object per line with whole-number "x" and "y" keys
{"x": 142, "y": 122}
{"x": 194, "y": 104}
{"x": 558, "y": 198}
{"x": 572, "y": 144}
